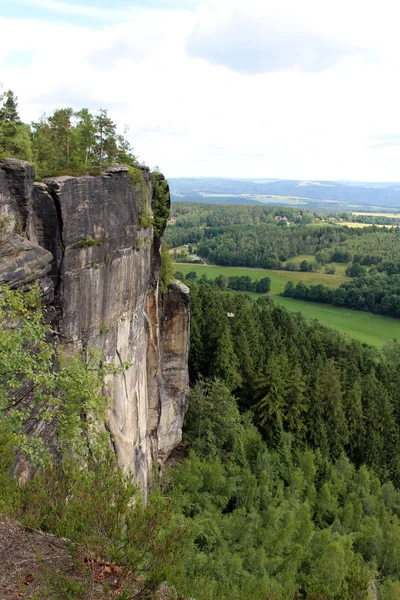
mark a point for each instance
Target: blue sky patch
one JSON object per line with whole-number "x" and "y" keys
{"x": 92, "y": 13}
{"x": 18, "y": 58}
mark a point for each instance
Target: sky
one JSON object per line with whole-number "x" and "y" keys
{"x": 294, "y": 89}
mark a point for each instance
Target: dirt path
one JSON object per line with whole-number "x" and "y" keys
{"x": 26, "y": 557}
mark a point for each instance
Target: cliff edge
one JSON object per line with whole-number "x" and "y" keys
{"x": 94, "y": 245}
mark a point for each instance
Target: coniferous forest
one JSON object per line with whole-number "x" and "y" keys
{"x": 287, "y": 483}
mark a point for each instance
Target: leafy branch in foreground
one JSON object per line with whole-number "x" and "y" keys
{"x": 77, "y": 491}
{"x": 34, "y": 393}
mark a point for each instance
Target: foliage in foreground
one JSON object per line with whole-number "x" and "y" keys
{"x": 279, "y": 523}
{"x": 266, "y": 506}
{"x": 51, "y": 415}
{"x": 42, "y": 390}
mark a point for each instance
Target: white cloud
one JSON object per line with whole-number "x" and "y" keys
{"x": 259, "y": 41}
{"x": 68, "y": 8}
{"x": 193, "y": 116}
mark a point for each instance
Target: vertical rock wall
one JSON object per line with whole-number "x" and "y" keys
{"x": 104, "y": 271}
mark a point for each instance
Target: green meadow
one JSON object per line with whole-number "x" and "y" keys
{"x": 340, "y": 267}
{"x": 365, "y": 327}
{"x": 278, "y": 278}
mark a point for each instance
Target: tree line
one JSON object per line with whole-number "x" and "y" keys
{"x": 279, "y": 522}
{"x": 241, "y": 283}
{"x": 252, "y": 236}
{"x": 67, "y": 141}
{"x": 373, "y": 292}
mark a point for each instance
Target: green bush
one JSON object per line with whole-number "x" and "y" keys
{"x": 160, "y": 203}
{"x": 135, "y": 175}
{"x": 145, "y": 219}
{"x": 87, "y": 242}
{"x": 167, "y": 268}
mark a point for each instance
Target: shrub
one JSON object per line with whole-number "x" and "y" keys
{"x": 145, "y": 219}
{"x": 167, "y": 268}
{"x": 88, "y": 242}
{"x": 160, "y": 203}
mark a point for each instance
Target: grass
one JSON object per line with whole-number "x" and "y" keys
{"x": 365, "y": 327}
{"x": 340, "y": 268}
{"x": 354, "y": 224}
{"x": 377, "y": 214}
{"x": 278, "y": 278}
{"x": 300, "y": 257}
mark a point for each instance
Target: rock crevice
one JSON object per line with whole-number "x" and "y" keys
{"x": 82, "y": 237}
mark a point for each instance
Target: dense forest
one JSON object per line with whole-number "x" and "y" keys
{"x": 307, "y": 395}
{"x": 267, "y": 237}
{"x": 272, "y": 238}
{"x": 289, "y": 485}
{"x": 286, "y": 486}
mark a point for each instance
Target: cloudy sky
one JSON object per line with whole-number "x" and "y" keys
{"x": 237, "y": 88}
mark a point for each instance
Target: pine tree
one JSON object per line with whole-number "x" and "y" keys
{"x": 106, "y": 137}
{"x": 272, "y": 390}
{"x": 43, "y": 147}
{"x": 333, "y": 408}
{"x": 60, "y": 126}
{"x": 14, "y": 136}
{"x": 85, "y": 131}
{"x": 297, "y": 404}
{"x": 317, "y": 426}
{"x": 9, "y": 110}
{"x": 125, "y": 150}
{"x": 355, "y": 419}
{"x": 226, "y": 364}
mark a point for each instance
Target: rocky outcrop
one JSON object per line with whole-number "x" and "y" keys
{"x": 86, "y": 234}
{"x": 22, "y": 260}
{"x": 174, "y": 343}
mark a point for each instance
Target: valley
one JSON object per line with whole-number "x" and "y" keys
{"x": 375, "y": 330}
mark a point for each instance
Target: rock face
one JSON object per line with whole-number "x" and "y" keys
{"x": 82, "y": 237}
{"x": 22, "y": 260}
{"x": 174, "y": 344}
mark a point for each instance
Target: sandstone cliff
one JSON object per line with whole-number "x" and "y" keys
{"x": 90, "y": 242}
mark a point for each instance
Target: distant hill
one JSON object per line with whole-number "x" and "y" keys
{"x": 322, "y": 195}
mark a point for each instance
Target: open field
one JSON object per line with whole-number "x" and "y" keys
{"x": 377, "y": 214}
{"x": 278, "y": 278}
{"x": 300, "y": 257}
{"x": 365, "y": 327}
{"x": 340, "y": 267}
{"x": 354, "y": 224}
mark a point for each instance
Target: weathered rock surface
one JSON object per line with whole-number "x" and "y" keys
{"x": 174, "y": 320}
{"x": 22, "y": 260}
{"x": 85, "y": 233}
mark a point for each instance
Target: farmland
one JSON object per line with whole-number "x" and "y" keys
{"x": 278, "y": 278}
{"x": 378, "y": 214}
{"x": 354, "y": 224}
{"x": 340, "y": 268}
{"x": 365, "y": 327}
